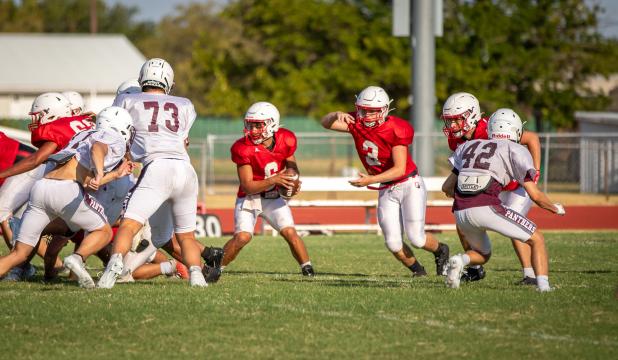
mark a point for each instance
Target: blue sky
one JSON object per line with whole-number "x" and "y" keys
{"x": 156, "y": 9}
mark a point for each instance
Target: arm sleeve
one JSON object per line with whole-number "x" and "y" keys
{"x": 523, "y": 166}
{"x": 190, "y": 116}
{"x": 403, "y": 134}
{"x": 455, "y": 159}
{"x": 239, "y": 156}
{"x": 291, "y": 142}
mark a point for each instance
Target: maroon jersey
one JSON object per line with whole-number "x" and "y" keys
{"x": 375, "y": 145}
{"x": 264, "y": 163}
{"x": 60, "y": 131}
{"x": 8, "y": 152}
{"x": 480, "y": 132}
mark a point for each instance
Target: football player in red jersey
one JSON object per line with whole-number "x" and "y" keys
{"x": 260, "y": 157}
{"x": 463, "y": 121}
{"x": 382, "y": 143}
{"x": 12, "y": 151}
{"x": 51, "y": 129}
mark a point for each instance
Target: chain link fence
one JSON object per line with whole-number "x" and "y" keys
{"x": 570, "y": 162}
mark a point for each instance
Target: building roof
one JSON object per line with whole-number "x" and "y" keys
{"x": 36, "y": 63}
{"x": 597, "y": 117}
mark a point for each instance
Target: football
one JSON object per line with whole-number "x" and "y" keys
{"x": 288, "y": 193}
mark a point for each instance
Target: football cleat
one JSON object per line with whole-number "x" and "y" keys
{"x": 213, "y": 256}
{"x": 307, "y": 270}
{"x": 527, "y": 281}
{"x": 455, "y": 269}
{"x": 441, "y": 255}
{"x": 75, "y": 263}
{"x": 196, "y": 278}
{"x": 211, "y": 274}
{"x": 112, "y": 271}
{"x": 473, "y": 274}
{"x": 420, "y": 272}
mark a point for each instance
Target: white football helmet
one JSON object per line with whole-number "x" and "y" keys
{"x": 157, "y": 73}
{"x": 118, "y": 120}
{"x": 129, "y": 87}
{"x": 76, "y": 100}
{"x": 372, "y": 106}
{"x": 505, "y": 124}
{"x": 48, "y": 107}
{"x": 460, "y": 113}
{"x": 265, "y": 113}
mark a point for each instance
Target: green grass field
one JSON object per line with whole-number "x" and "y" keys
{"x": 363, "y": 304}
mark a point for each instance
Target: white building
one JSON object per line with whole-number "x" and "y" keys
{"x": 93, "y": 65}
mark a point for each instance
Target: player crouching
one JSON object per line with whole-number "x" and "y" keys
{"x": 260, "y": 157}
{"x": 87, "y": 160}
{"x": 481, "y": 168}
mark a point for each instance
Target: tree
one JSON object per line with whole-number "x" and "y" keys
{"x": 535, "y": 56}
{"x": 69, "y": 16}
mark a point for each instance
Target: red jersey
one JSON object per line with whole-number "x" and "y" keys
{"x": 60, "y": 131}
{"x": 375, "y": 145}
{"x": 264, "y": 163}
{"x": 8, "y": 152}
{"x": 480, "y": 132}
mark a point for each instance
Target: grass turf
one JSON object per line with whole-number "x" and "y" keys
{"x": 362, "y": 304}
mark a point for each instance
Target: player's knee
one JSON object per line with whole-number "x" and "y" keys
{"x": 537, "y": 239}
{"x": 416, "y": 235}
{"x": 242, "y": 238}
{"x": 393, "y": 245}
{"x": 289, "y": 233}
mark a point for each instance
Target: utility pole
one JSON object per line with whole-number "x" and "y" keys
{"x": 93, "y": 16}
{"x": 423, "y": 83}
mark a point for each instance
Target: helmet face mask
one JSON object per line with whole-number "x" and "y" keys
{"x": 372, "y": 106}
{"x": 505, "y": 124}
{"x": 460, "y": 113}
{"x": 47, "y": 108}
{"x": 261, "y": 122}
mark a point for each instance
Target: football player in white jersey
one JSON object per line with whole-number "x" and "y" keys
{"x": 88, "y": 160}
{"x": 162, "y": 123}
{"x": 481, "y": 168}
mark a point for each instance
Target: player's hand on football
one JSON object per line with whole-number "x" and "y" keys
{"x": 345, "y": 117}
{"x": 283, "y": 179}
{"x": 362, "y": 181}
{"x": 559, "y": 209}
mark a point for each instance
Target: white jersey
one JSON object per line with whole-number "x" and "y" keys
{"x": 162, "y": 123}
{"x": 502, "y": 160}
{"x": 81, "y": 145}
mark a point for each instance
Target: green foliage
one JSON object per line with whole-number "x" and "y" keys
{"x": 362, "y": 305}
{"x": 69, "y": 16}
{"x": 310, "y": 57}
{"x": 535, "y": 56}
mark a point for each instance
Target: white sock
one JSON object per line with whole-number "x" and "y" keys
{"x": 466, "y": 259}
{"x": 166, "y": 268}
{"x": 474, "y": 266}
{"x": 307, "y": 263}
{"x": 542, "y": 282}
{"x": 195, "y": 268}
{"x": 222, "y": 267}
{"x": 529, "y": 272}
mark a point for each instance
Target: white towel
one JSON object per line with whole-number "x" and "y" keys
{"x": 253, "y": 203}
